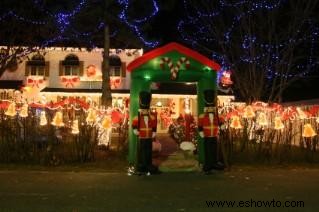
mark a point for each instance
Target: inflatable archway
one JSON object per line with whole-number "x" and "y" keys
{"x": 170, "y": 63}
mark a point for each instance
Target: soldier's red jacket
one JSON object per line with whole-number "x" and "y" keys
{"x": 210, "y": 128}
{"x": 145, "y": 124}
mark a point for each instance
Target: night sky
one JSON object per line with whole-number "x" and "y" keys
{"x": 163, "y": 28}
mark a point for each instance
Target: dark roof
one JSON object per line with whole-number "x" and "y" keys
{"x": 11, "y": 84}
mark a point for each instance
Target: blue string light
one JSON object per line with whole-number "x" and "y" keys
{"x": 63, "y": 21}
{"x": 135, "y": 24}
{"x": 200, "y": 30}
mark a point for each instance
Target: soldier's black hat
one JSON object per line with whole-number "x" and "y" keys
{"x": 145, "y": 99}
{"x": 209, "y": 97}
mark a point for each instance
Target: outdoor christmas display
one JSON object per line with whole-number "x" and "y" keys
{"x": 24, "y": 111}
{"x": 249, "y": 112}
{"x": 308, "y": 131}
{"x": 75, "y": 127}
{"x": 107, "y": 123}
{"x": 43, "y": 119}
{"x": 58, "y": 119}
{"x": 91, "y": 117}
{"x": 167, "y": 64}
{"x": 235, "y": 122}
{"x": 225, "y": 83}
{"x": 174, "y": 68}
{"x": 144, "y": 126}
{"x": 11, "y": 111}
{"x": 262, "y": 119}
{"x": 278, "y": 123}
{"x": 208, "y": 129}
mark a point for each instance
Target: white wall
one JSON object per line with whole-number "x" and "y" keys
{"x": 94, "y": 57}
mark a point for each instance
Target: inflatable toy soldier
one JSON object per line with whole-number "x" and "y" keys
{"x": 208, "y": 129}
{"x": 144, "y": 126}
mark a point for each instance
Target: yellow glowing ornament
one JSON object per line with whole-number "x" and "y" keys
{"x": 75, "y": 127}
{"x": 91, "y": 118}
{"x": 235, "y": 123}
{"x": 262, "y": 119}
{"x": 107, "y": 122}
{"x": 43, "y": 119}
{"x": 24, "y": 111}
{"x": 11, "y": 111}
{"x": 308, "y": 131}
{"x": 58, "y": 120}
{"x": 249, "y": 112}
{"x": 278, "y": 123}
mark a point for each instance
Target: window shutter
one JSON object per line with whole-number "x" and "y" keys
{"x": 27, "y": 69}
{"x": 123, "y": 69}
{"x": 47, "y": 69}
{"x": 60, "y": 69}
{"x": 81, "y": 68}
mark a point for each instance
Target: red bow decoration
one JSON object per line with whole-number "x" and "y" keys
{"x": 115, "y": 83}
{"x": 70, "y": 81}
{"x": 35, "y": 82}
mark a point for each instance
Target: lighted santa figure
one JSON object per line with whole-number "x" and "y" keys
{"x": 225, "y": 83}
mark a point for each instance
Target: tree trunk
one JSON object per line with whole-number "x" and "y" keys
{"x": 106, "y": 88}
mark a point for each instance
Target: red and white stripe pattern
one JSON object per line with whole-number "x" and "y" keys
{"x": 174, "y": 68}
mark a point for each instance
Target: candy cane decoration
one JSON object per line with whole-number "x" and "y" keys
{"x": 174, "y": 68}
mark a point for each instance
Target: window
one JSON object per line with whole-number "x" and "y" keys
{"x": 71, "y": 66}
{"x": 71, "y": 70}
{"x": 116, "y": 66}
{"x": 115, "y": 71}
{"x": 37, "y": 71}
{"x": 37, "y": 66}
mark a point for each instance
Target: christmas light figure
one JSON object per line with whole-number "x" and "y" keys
{"x": 308, "y": 131}
{"x": 278, "y": 123}
{"x": 91, "y": 118}
{"x": 75, "y": 127}
{"x": 107, "y": 122}
{"x": 225, "y": 79}
{"x": 262, "y": 119}
{"x": 43, "y": 119}
{"x": 24, "y": 111}
{"x": 249, "y": 112}
{"x": 235, "y": 123}
{"x": 11, "y": 111}
{"x": 58, "y": 120}
{"x": 302, "y": 115}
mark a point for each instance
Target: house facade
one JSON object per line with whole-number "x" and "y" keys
{"x": 56, "y": 73}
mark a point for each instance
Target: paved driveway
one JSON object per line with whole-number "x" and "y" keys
{"x": 101, "y": 191}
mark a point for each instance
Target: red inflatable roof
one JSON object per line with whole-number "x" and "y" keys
{"x": 169, "y": 47}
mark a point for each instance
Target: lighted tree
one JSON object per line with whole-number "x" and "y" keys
{"x": 121, "y": 20}
{"x": 268, "y": 44}
{"x": 85, "y": 23}
{"x": 29, "y": 26}
{"x": 14, "y": 47}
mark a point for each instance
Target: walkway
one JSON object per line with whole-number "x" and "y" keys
{"x": 171, "y": 158}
